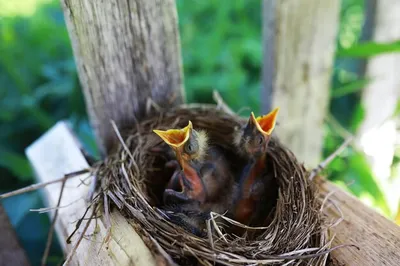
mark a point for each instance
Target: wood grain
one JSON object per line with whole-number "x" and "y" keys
{"x": 299, "y": 46}
{"x": 378, "y": 238}
{"x": 126, "y": 52}
{"x": 57, "y": 153}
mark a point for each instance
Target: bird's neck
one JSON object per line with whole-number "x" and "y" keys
{"x": 259, "y": 163}
{"x": 191, "y": 174}
{"x": 253, "y": 170}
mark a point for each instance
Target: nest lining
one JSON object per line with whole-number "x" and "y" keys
{"x": 133, "y": 179}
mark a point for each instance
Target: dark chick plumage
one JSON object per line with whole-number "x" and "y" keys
{"x": 205, "y": 177}
{"x": 251, "y": 197}
{"x": 189, "y": 216}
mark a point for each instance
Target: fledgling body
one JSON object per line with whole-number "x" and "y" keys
{"x": 252, "y": 140}
{"x": 205, "y": 179}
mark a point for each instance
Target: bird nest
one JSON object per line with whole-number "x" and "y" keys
{"x": 133, "y": 178}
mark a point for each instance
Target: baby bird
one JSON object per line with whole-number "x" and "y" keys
{"x": 252, "y": 142}
{"x": 205, "y": 178}
{"x": 204, "y": 169}
{"x": 190, "y": 148}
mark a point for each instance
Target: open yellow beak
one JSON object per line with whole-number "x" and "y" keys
{"x": 175, "y": 137}
{"x": 266, "y": 123}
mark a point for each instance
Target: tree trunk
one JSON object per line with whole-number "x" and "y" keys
{"x": 126, "y": 52}
{"x": 377, "y": 133}
{"x": 298, "y": 67}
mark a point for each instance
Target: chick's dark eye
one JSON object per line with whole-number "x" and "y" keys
{"x": 260, "y": 139}
{"x": 190, "y": 147}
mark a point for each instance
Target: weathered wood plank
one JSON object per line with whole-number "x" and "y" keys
{"x": 57, "y": 153}
{"x": 377, "y": 237}
{"x": 299, "y": 46}
{"x": 126, "y": 52}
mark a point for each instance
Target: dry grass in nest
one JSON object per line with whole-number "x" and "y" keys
{"x": 132, "y": 180}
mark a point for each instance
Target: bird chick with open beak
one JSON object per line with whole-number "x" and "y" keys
{"x": 190, "y": 148}
{"x": 205, "y": 178}
{"x": 252, "y": 142}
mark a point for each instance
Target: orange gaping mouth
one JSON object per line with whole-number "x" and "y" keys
{"x": 266, "y": 124}
{"x": 175, "y": 137}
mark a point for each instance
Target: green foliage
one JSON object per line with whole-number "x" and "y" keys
{"x": 16, "y": 163}
{"x": 351, "y": 87}
{"x": 221, "y": 49}
{"x": 369, "y": 49}
{"x": 351, "y": 22}
{"x": 38, "y": 85}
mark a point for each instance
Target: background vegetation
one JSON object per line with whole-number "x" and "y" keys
{"x": 221, "y": 47}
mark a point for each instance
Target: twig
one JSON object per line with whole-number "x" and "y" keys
{"x": 209, "y": 234}
{"x": 79, "y": 222}
{"x": 53, "y": 223}
{"x": 221, "y": 103}
{"x": 296, "y": 257}
{"x": 330, "y": 158}
{"x": 70, "y": 255}
{"x": 92, "y": 188}
{"x": 151, "y": 103}
{"x": 340, "y": 130}
{"x": 41, "y": 185}
{"x": 124, "y": 144}
{"x": 106, "y": 211}
{"x": 216, "y": 227}
{"x": 163, "y": 252}
{"x": 242, "y": 109}
{"x": 48, "y": 209}
{"x": 231, "y": 221}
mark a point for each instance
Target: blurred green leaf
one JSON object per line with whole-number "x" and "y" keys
{"x": 349, "y": 88}
{"x": 396, "y": 112}
{"x": 369, "y": 49}
{"x": 16, "y": 163}
{"x": 218, "y": 56}
{"x": 357, "y": 118}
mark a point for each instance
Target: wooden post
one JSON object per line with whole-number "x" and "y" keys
{"x": 126, "y": 52}
{"x": 299, "y": 45}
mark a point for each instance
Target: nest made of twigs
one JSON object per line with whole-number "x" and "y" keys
{"x": 133, "y": 178}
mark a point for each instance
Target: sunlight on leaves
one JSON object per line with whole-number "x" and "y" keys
{"x": 11, "y": 8}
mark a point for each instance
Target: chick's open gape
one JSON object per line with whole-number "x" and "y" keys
{"x": 205, "y": 186}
